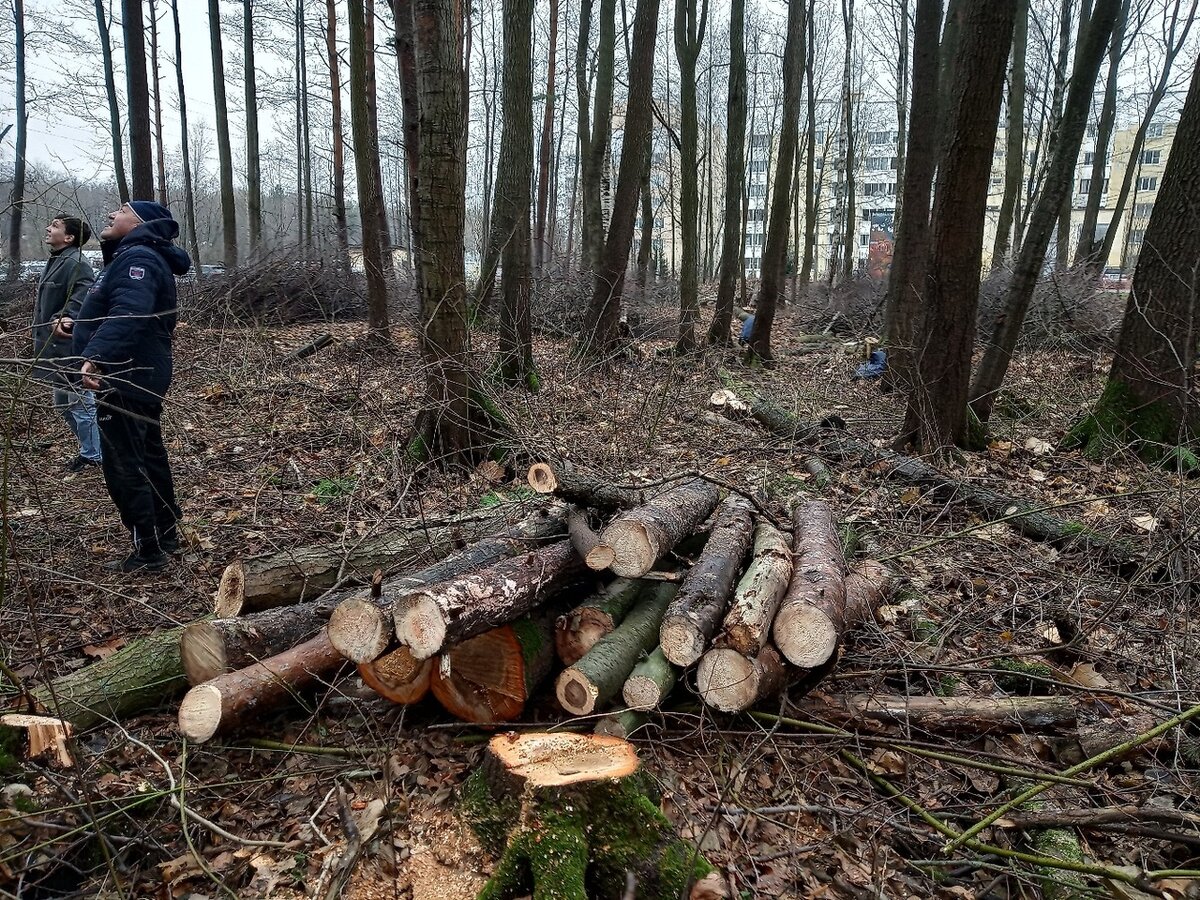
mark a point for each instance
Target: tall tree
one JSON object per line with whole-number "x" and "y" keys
{"x": 849, "y": 242}
{"x": 1014, "y": 138}
{"x": 906, "y": 286}
{"x": 774, "y": 255}
{"x": 541, "y": 250}
{"x": 16, "y": 197}
{"x": 812, "y": 186}
{"x": 1149, "y": 400}
{"x": 599, "y": 334}
{"x": 303, "y": 134}
{"x": 160, "y": 156}
{"x": 372, "y": 92}
{"x": 224, "y": 150}
{"x": 253, "y": 162}
{"x": 189, "y": 197}
{"x": 689, "y": 39}
{"x": 516, "y": 176}
{"x": 936, "y": 414}
{"x": 1085, "y": 253}
{"x": 366, "y": 162}
{"x": 114, "y": 107}
{"x": 1060, "y": 177}
{"x": 141, "y": 158}
{"x": 340, "y": 226}
{"x": 445, "y": 343}
{"x": 406, "y": 63}
{"x": 735, "y": 175}
{"x": 595, "y": 149}
{"x": 901, "y": 105}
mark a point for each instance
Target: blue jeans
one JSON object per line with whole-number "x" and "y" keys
{"x": 78, "y": 407}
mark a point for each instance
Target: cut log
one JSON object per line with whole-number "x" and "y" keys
{"x": 397, "y": 677}
{"x": 698, "y": 608}
{"x": 640, "y": 536}
{"x": 230, "y": 700}
{"x": 756, "y": 599}
{"x": 583, "y": 538}
{"x": 46, "y": 735}
{"x": 213, "y": 647}
{"x": 448, "y": 612}
{"x": 489, "y": 678}
{"x": 650, "y": 682}
{"x": 732, "y": 682}
{"x": 621, "y": 724}
{"x": 583, "y": 490}
{"x": 969, "y": 715}
{"x": 818, "y": 470}
{"x": 813, "y": 611}
{"x": 361, "y": 629}
{"x": 600, "y": 675}
{"x": 564, "y": 811}
{"x": 577, "y": 631}
{"x": 289, "y": 576}
{"x": 316, "y": 345}
{"x": 231, "y": 591}
{"x": 868, "y": 586}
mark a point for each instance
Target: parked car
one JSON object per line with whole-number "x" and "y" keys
{"x": 30, "y": 269}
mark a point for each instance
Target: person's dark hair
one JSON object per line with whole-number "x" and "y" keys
{"x": 77, "y": 228}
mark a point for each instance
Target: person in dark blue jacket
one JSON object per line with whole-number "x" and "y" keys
{"x": 123, "y": 333}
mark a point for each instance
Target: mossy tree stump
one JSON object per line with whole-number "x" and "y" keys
{"x": 568, "y": 816}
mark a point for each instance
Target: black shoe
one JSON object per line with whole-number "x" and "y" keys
{"x": 169, "y": 545}
{"x": 146, "y": 560}
{"x": 81, "y": 463}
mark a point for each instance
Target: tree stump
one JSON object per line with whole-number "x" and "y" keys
{"x": 568, "y": 815}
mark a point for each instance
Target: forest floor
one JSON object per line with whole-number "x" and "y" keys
{"x": 269, "y": 456}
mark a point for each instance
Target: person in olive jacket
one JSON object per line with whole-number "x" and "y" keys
{"x": 124, "y": 333}
{"x": 61, "y": 290}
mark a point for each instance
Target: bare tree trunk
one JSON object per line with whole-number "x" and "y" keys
{"x": 1149, "y": 398}
{"x": 1014, "y": 152}
{"x": 907, "y": 283}
{"x": 541, "y": 250}
{"x": 17, "y": 195}
{"x": 812, "y": 188}
{"x": 114, "y": 108}
{"x": 901, "y": 111}
{"x": 406, "y": 62}
{"x": 302, "y": 65}
{"x": 189, "y": 197}
{"x": 381, "y": 211}
{"x": 341, "y": 228}
{"x": 937, "y": 402}
{"x": 253, "y": 165}
{"x": 141, "y": 156}
{"x": 159, "y": 153}
{"x": 774, "y": 255}
{"x": 592, "y": 174}
{"x": 599, "y": 334}
{"x": 735, "y": 176}
{"x": 1059, "y": 182}
{"x": 849, "y": 242}
{"x": 224, "y": 151}
{"x": 1085, "y": 253}
{"x": 689, "y": 38}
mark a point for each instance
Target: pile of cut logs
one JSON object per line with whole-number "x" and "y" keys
{"x": 677, "y": 577}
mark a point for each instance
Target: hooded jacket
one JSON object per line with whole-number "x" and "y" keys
{"x": 128, "y": 317}
{"x": 61, "y": 291}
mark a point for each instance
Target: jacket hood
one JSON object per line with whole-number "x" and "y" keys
{"x": 157, "y": 235}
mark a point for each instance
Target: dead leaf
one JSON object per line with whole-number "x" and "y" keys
{"x": 1037, "y": 475}
{"x": 887, "y": 762}
{"x": 911, "y": 496}
{"x": 1037, "y": 446}
{"x": 108, "y": 648}
{"x": 1146, "y": 522}
{"x": 1049, "y": 632}
{"x": 1085, "y": 675}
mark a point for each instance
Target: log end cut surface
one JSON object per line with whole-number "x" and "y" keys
{"x": 200, "y": 713}
{"x": 575, "y": 692}
{"x": 805, "y": 635}
{"x": 541, "y": 478}
{"x": 599, "y": 557}
{"x": 359, "y": 630}
{"x": 482, "y": 680}
{"x": 420, "y": 625}
{"x": 202, "y": 651}
{"x": 231, "y": 592}
{"x": 555, "y": 760}
{"x": 681, "y": 641}
{"x": 397, "y": 676}
{"x": 727, "y": 680}
{"x": 634, "y": 549}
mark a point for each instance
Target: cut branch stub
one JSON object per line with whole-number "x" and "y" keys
{"x": 813, "y": 612}
{"x": 638, "y": 537}
{"x": 397, "y": 676}
{"x": 443, "y": 614}
{"x": 695, "y": 613}
{"x": 650, "y": 682}
{"x": 731, "y": 682}
{"x": 756, "y": 599}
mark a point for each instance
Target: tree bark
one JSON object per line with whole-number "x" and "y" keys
{"x": 340, "y": 225}
{"x": 1014, "y": 152}
{"x": 578, "y": 631}
{"x": 697, "y": 610}
{"x": 596, "y": 145}
{"x": 817, "y": 588}
{"x": 650, "y": 682}
{"x": 689, "y": 39}
{"x": 849, "y": 241}
{"x": 451, "y": 611}
{"x": 735, "y": 175}
{"x": 599, "y": 333}
{"x": 189, "y": 195}
{"x": 747, "y": 626}
{"x": 600, "y": 675}
{"x": 141, "y": 154}
{"x": 968, "y": 715}
{"x": 541, "y": 249}
{"x": 774, "y": 255}
{"x": 583, "y": 490}
{"x": 1060, "y": 178}
{"x": 638, "y": 537}
{"x": 229, "y": 235}
{"x": 229, "y": 701}
{"x": 114, "y": 108}
{"x": 160, "y": 158}
{"x": 732, "y": 682}
{"x": 406, "y": 62}
{"x": 17, "y": 194}
{"x": 936, "y": 415}
{"x": 253, "y": 162}
{"x": 489, "y": 678}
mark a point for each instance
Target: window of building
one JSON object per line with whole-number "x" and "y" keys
{"x": 1091, "y": 129}
{"x": 819, "y": 163}
{"x": 1085, "y": 186}
{"x": 760, "y": 140}
{"x": 758, "y": 165}
{"x": 875, "y": 138}
{"x": 1155, "y": 130}
{"x": 1151, "y": 157}
{"x": 877, "y": 163}
{"x": 1142, "y": 210}
{"x": 1137, "y": 235}
{"x": 879, "y": 188}
{"x": 864, "y": 240}
{"x": 819, "y": 136}
{"x": 758, "y": 190}
{"x": 1089, "y": 157}
{"x": 1147, "y": 183}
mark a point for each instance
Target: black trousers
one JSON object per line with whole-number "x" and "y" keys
{"x": 137, "y": 472}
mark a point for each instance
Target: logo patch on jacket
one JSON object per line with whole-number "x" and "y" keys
{"x": 137, "y": 273}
